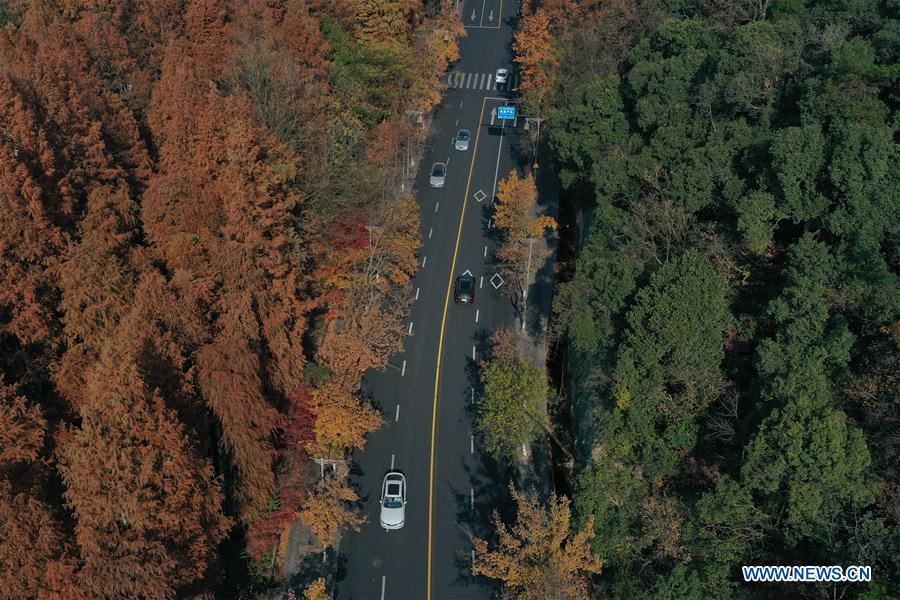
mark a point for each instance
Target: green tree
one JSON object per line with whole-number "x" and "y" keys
{"x": 810, "y": 347}
{"x": 671, "y": 355}
{"x": 590, "y": 126}
{"x": 798, "y": 156}
{"x": 809, "y": 461}
{"x": 511, "y": 409}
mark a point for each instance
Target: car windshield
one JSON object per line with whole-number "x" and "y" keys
{"x": 438, "y": 170}
{"x": 463, "y": 135}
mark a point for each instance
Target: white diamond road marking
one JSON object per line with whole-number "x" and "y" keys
{"x": 479, "y": 195}
{"x": 499, "y": 281}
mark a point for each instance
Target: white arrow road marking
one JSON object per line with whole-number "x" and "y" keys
{"x": 473, "y": 14}
{"x": 491, "y": 17}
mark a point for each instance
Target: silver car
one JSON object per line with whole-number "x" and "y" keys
{"x": 438, "y": 175}
{"x": 501, "y": 76}
{"x": 461, "y": 142}
{"x": 393, "y": 500}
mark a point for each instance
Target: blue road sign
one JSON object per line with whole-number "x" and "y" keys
{"x": 506, "y": 112}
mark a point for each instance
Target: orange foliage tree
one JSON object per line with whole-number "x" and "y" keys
{"x": 537, "y": 60}
{"x": 147, "y": 508}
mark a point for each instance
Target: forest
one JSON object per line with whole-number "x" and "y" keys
{"x": 731, "y": 322}
{"x": 203, "y": 245}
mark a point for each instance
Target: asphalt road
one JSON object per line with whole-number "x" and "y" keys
{"x": 428, "y": 399}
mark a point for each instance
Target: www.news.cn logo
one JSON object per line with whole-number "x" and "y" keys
{"x": 807, "y": 574}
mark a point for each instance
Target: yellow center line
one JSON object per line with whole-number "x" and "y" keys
{"x": 437, "y": 370}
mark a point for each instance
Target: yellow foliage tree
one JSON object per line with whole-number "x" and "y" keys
{"x": 342, "y": 421}
{"x": 316, "y": 590}
{"x": 516, "y": 205}
{"x": 327, "y": 510}
{"x": 515, "y": 214}
{"x": 539, "y": 557}
{"x": 380, "y": 20}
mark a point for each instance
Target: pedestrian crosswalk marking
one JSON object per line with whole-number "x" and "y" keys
{"x": 481, "y": 81}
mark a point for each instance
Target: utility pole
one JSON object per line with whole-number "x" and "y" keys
{"x": 535, "y": 135}
{"x": 333, "y": 462}
{"x": 527, "y": 279}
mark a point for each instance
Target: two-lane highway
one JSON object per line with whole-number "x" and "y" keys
{"x": 428, "y": 400}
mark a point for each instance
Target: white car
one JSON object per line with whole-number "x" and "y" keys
{"x": 438, "y": 175}
{"x": 393, "y": 500}
{"x": 501, "y": 76}
{"x": 461, "y": 141}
